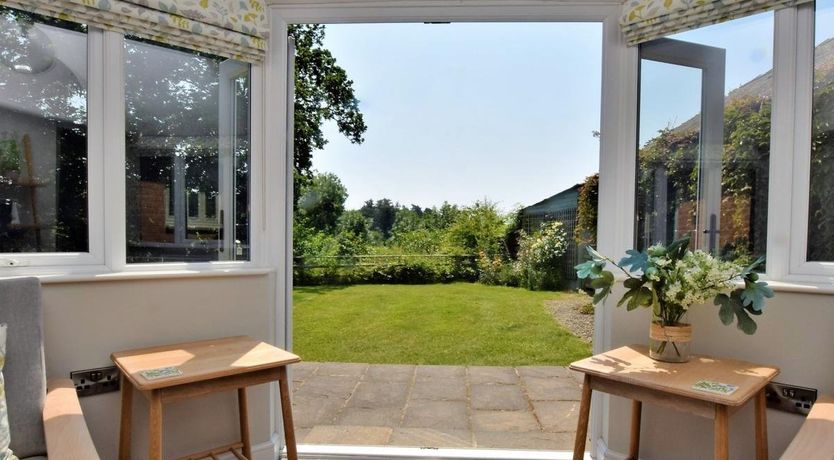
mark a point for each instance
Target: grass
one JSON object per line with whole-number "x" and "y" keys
{"x": 459, "y": 323}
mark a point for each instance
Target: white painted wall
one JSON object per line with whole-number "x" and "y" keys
{"x": 796, "y": 333}
{"x": 86, "y": 321}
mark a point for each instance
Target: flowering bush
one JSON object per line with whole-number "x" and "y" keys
{"x": 671, "y": 279}
{"x": 539, "y": 256}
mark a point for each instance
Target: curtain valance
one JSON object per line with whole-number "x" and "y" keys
{"x": 234, "y": 29}
{"x": 644, "y": 20}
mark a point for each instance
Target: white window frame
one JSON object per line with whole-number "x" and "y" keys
{"x": 33, "y": 261}
{"x": 801, "y": 269}
{"x": 106, "y": 184}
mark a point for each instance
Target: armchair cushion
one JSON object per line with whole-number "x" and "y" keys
{"x": 5, "y": 452}
{"x": 25, "y": 378}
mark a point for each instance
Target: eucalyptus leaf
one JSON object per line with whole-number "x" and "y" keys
{"x": 632, "y": 283}
{"x": 731, "y": 306}
{"x": 583, "y": 270}
{"x": 601, "y": 294}
{"x": 637, "y": 260}
{"x": 726, "y": 311}
{"x": 677, "y": 249}
{"x": 754, "y": 294}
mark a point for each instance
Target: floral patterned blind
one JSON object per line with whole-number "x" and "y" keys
{"x": 234, "y": 29}
{"x": 644, "y": 20}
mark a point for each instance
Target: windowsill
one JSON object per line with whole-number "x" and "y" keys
{"x": 135, "y": 275}
{"x": 802, "y": 287}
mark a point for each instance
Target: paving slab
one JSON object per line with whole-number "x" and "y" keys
{"x": 440, "y": 390}
{"x": 342, "y": 369}
{"x": 488, "y": 375}
{"x": 309, "y": 411}
{"x": 507, "y": 421}
{"x": 378, "y": 416}
{"x": 431, "y": 438}
{"x": 379, "y": 394}
{"x": 543, "y": 371}
{"x": 352, "y": 435}
{"x": 390, "y": 373}
{"x": 552, "y": 389}
{"x": 436, "y": 414}
{"x": 533, "y": 407}
{"x": 557, "y": 416}
{"x": 498, "y": 397}
{"x": 303, "y": 370}
{"x": 424, "y": 372}
{"x": 328, "y": 387}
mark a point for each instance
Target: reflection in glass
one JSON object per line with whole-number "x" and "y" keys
{"x": 187, "y": 155}
{"x": 821, "y": 199}
{"x": 703, "y": 166}
{"x": 43, "y": 134}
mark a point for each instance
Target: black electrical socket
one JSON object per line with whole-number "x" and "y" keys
{"x": 96, "y": 381}
{"x": 790, "y": 398}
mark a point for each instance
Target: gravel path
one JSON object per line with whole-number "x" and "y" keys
{"x": 566, "y": 311}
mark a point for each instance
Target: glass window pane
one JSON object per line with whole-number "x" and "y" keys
{"x": 187, "y": 155}
{"x": 821, "y": 203}
{"x": 43, "y": 134}
{"x": 704, "y": 139}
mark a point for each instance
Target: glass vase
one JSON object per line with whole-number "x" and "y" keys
{"x": 670, "y": 343}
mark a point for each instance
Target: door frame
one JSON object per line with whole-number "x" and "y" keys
{"x": 618, "y": 127}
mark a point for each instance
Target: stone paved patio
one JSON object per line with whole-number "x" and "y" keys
{"x": 435, "y": 406}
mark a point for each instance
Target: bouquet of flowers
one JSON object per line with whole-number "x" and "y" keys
{"x": 670, "y": 279}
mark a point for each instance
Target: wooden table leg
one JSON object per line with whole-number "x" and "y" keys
{"x": 761, "y": 426}
{"x": 722, "y": 433}
{"x": 155, "y": 427}
{"x": 243, "y": 411}
{"x": 636, "y": 415}
{"x": 286, "y": 412}
{"x": 582, "y": 425}
{"x": 126, "y": 421}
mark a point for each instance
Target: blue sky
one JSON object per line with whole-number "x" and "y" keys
{"x": 462, "y": 112}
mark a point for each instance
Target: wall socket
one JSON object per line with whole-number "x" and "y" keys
{"x": 790, "y": 398}
{"x": 96, "y": 381}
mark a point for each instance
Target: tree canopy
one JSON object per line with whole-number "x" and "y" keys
{"x": 323, "y": 92}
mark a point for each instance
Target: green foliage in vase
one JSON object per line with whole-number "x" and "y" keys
{"x": 670, "y": 279}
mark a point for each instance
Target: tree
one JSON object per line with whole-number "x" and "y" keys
{"x": 479, "y": 228}
{"x": 323, "y": 92}
{"x": 322, "y": 202}
{"x": 383, "y": 214}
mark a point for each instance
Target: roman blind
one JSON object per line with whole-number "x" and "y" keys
{"x": 236, "y": 29}
{"x": 644, "y": 20}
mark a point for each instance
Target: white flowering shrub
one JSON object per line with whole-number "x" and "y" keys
{"x": 540, "y": 257}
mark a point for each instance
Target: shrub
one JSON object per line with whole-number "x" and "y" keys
{"x": 540, "y": 256}
{"x": 408, "y": 271}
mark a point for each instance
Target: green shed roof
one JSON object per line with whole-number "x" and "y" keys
{"x": 566, "y": 199}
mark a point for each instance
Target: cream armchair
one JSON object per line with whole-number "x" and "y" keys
{"x": 43, "y": 422}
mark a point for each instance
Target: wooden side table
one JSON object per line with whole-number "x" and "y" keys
{"x": 630, "y": 372}
{"x": 208, "y": 366}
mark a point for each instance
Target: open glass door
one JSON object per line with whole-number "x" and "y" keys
{"x": 686, "y": 198}
{"x": 233, "y": 160}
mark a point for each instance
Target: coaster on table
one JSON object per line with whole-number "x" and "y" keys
{"x": 711, "y": 386}
{"x": 160, "y": 373}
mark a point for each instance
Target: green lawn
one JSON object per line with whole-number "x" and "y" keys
{"x": 456, "y": 323}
